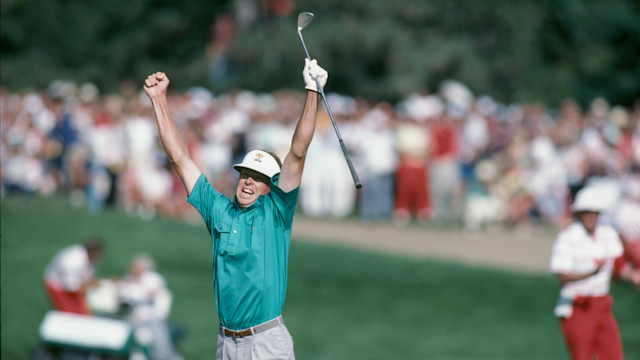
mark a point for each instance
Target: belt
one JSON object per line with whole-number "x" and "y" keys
{"x": 254, "y": 329}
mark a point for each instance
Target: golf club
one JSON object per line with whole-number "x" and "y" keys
{"x": 303, "y": 20}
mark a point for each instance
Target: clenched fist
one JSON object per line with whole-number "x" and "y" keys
{"x": 156, "y": 85}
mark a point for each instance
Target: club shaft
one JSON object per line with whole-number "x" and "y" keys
{"x": 303, "y": 45}
{"x": 347, "y": 157}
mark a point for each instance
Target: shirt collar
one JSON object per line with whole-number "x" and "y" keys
{"x": 255, "y": 204}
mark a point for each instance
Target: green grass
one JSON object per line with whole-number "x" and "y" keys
{"x": 341, "y": 303}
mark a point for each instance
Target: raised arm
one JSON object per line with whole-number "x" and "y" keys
{"x": 293, "y": 164}
{"x": 156, "y": 88}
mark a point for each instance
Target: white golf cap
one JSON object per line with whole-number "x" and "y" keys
{"x": 260, "y": 161}
{"x": 589, "y": 199}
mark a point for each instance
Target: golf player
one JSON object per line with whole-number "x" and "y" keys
{"x": 250, "y": 233}
{"x": 585, "y": 257}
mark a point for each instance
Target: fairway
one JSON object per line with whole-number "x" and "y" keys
{"x": 341, "y": 303}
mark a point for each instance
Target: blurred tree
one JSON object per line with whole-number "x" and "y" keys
{"x": 513, "y": 50}
{"x": 103, "y": 42}
{"x": 591, "y": 49}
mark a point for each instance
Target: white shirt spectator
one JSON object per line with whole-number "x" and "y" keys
{"x": 141, "y": 136}
{"x": 411, "y": 139}
{"x": 376, "y": 145}
{"x": 475, "y": 137}
{"x": 70, "y": 268}
{"x": 108, "y": 145}
{"x": 575, "y": 252}
{"x": 147, "y": 294}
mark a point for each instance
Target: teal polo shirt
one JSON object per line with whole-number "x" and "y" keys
{"x": 250, "y": 252}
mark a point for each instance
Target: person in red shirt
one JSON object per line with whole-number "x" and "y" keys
{"x": 70, "y": 273}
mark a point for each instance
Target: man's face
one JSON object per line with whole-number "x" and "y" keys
{"x": 250, "y": 186}
{"x": 589, "y": 220}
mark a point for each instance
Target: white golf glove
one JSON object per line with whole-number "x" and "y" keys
{"x": 312, "y": 72}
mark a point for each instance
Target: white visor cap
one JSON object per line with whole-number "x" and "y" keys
{"x": 260, "y": 161}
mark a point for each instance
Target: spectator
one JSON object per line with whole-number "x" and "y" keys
{"x": 379, "y": 161}
{"x": 70, "y": 273}
{"x": 327, "y": 189}
{"x": 107, "y": 144}
{"x": 412, "y": 194}
{"x": 62, "y": 141}
{"x": 145, "y": 296}
{"x": 446, "y": 181}
{"x": 627, "y": 220}
{"x": 484, "y": 205}
{"x": 542, "y": 158}
{"x": 547, "y": 180}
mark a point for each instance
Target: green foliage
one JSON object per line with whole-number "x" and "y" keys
{"x": 103, "y": 42}
{"x": 514, "y": 50}
{"x": 594, "y": 45}
{"x": 341, "y": 303}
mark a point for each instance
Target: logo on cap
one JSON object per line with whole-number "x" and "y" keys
{"x": 261, "y": 162}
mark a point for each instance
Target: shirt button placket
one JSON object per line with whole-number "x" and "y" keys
{"x": 233, "y": 236}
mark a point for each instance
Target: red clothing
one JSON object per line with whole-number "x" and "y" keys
{"x": 444, "y": 141}
{"x": 67, "y": 301}
{"x": 592, "y": 330}
{"x": 624, "y": 147}
{"x": 412, "y": 188}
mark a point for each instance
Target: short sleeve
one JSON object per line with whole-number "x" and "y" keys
{"x": 561, "y": 259}
{"x": 285, "y": 202}
{"x": 203, "y": 197}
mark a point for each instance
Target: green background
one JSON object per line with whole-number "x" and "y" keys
{"x": 522, "y": 51}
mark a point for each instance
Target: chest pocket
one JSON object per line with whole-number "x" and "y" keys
{"x": 223, "y": 231}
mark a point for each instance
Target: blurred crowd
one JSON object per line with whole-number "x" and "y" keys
{"x": 446, "y": 156}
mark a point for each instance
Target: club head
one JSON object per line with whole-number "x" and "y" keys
{"x": 304, "y": 19}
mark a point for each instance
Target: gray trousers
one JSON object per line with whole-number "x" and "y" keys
{"x": 275, "y": 343}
